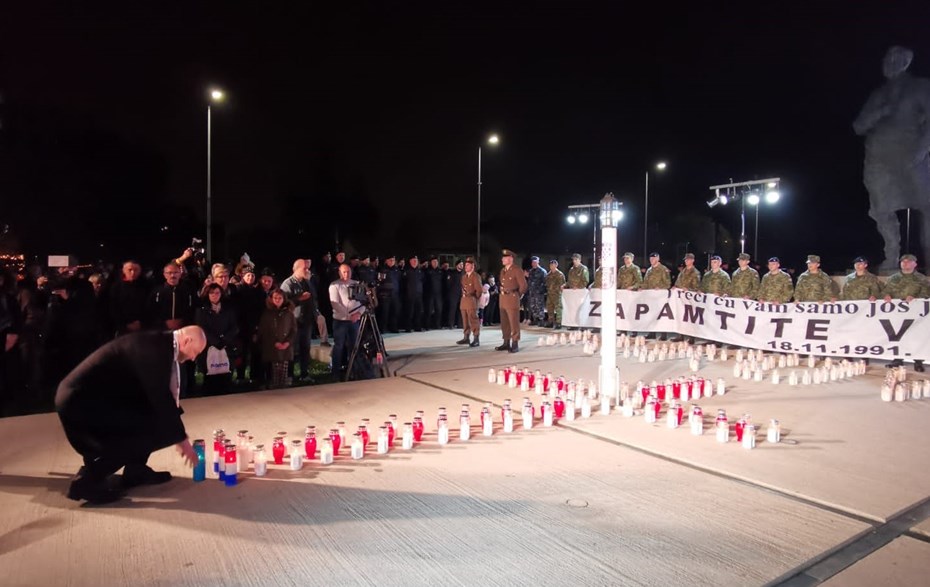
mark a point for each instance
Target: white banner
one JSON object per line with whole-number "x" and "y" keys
{"x": 882, "y": 330}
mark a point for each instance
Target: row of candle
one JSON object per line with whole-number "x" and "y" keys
{"x": 895, "y": 387}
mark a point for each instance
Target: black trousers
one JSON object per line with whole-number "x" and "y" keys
{"x": 434, "y": 312}
{"x": 388, "y": 312}
{"x": 453, "y": 317}
{"x": 414, "y": 313}
{"x": 107, "y": 449}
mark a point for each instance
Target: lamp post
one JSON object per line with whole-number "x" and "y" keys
{"x": 660, "y": 166}
{"x": 580, "y": 214}
{"x": 492, "y": 140}
{"x": 216, "y": 96}
{"x": 609, "y": 218}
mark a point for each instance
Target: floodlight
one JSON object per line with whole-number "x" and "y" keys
{"x": 583, "y": 217}
{"x": 570, "y": 219}
{"x": 753, "y": 199}
{"x": 772, "y": 196}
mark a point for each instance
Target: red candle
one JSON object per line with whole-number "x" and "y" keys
{"x": 417, "y": 428}
{"x": 660, "y": 392}
{"x": 334, "y": 437}
{"x": 277, "y": 450}
{"x": 558, "y": 407}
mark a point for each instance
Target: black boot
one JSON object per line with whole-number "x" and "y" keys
{"x": 557, "y": 327}
{"x": 92, "y": 489}
{"x": 464, "y": 340}
{"x": 503, "y": 347}
{"x": 919, "y": 366}
{"x": 475, "y": 342}
{"x": 135, "y": 475}
{"x": 514, "y": 347}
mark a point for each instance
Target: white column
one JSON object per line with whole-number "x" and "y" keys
{"x": 608, "y": 375}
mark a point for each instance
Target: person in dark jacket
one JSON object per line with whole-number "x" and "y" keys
{"x": 171, "y": 305}
{"x": 221, "y": 327}
{"x": 413, "y": 295}
{"x": 276, "y": 333}
{"x": 121, "y": 404}
{"x": 250, "y": 304}
{"x": 453, "y": 289}
{"x": 389, "y": 295}
{"x": 434, "y": 292}
{"x": 128, "y": 298}
{"x": 299, "y": 292}
{"x": 11, "y": 324}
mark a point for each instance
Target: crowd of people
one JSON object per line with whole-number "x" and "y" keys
{"x": 259, "y": 325}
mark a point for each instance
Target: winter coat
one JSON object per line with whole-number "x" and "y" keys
{"x": 277, "y": 325}
{"x": 221, "y": 328}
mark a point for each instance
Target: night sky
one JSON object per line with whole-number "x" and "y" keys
{"x": 360, "y": 121}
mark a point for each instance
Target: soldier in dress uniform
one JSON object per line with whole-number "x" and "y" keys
{"x": 512, "y": 286}
{"x": 468, "y": 306}
{"x": 555, "y": 282}
{"x": 658, "y": 275}
{"x": 578, "y": 276}
{"x": 776, "y": 285}
{"x": 536, "y": 281}
{"x": 906, "y": 285}
{"x": 715, "y": 280}
{"x": 814, "y": 285}
{"x": 629, "y": 276}
{"x": 690, "y": 277}
{"x": 744, "y": 283}
{"x": 861, "y": 284}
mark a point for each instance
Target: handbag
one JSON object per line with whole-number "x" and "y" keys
{"x": 217, "y": 361}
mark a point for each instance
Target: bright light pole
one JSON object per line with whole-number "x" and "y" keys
{"x": 660, "y": 166}
{"x": 216, "y": 96}
{"x": 610, "y": 215}
{"x": 492, "y": 140}
{"x": 771, "y": 197}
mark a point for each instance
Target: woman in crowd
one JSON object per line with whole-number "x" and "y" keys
{"x": 220, "y": 324}
{"x": 276, "y": 332}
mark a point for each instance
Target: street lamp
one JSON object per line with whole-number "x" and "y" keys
{"x": 660, "y": 166}
{"x": 610, "y": 215}
{"x": 216, "y": 96}
{"x": 492, "y": 140}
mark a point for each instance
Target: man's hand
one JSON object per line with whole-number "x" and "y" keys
{"x": 887, "y": 298}
{"x": 187, "y": 254}
{"x": 355, "y": 317}
{"x": 187, "y": 451}
{"x": 10, "y": 342}
{"x": 174, "y": 323}
{"x": 909, "y": 299}
{"x": 871, "y": 298}
{"x": 304, "y": 296}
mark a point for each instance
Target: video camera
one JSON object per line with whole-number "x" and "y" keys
{"x": 364, "y": 294}
{"x": 197, "y": 248}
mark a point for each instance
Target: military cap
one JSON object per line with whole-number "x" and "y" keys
{"x": 576, "y": 256}
{"x": 507, "y": 253}
{"x": 716, "y": 258}
{"x": 433, "y": 258}
{"x": 744, "y": 257}
{"x": 412, "y": 257}
{"x": 390, "y": 257}
{"x": 470, "y": 260}
{"x": 813, "y": 259}
{"x": 860, "y": 259}
{"x": 774, "y": 260}
{"x": 553, "y": 261}
{"x": 534, "y": 258}
{"x": 653, "y": 254}
{"x": 630, "y": 255}
{"x": 908, "y": 257}
{"x": 689, "y": 256}
{"x": 354, "y": 258}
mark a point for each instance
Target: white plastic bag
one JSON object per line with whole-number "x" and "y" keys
{"x": 217, "y": 361}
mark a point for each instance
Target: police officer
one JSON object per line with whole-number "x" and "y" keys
{"x": 512, "y": 286}
{"x": 389, "y": 294}
{"x": 776, "y": 286}
{"x": 471, "y": 292}
{"x": 657, "y": 276}
{"x": 814, "y": 285}
{"x": 536, "y": 281}
{"x": 689, "y": 278}
{"x": 365, "y": 273}
{"x": 715, "y": 280}
{"x": 906, "y": 285}
{"x": 578, "y": 276}
{"x": 629, "y": 276}
{"x": 413, "y": 294}
{"x": 744, "y": 283}
{"x": 861, "y": 284}
{"x": 434, "y": 276}
{"x": 555, "y": 282}
{"x": 453, "y": 289}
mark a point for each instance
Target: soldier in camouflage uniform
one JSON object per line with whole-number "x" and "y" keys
{"x": 596, "y": 284}
{"x": 715, "y": 280}
{"x": 814, "y": 285}
{"x": 690, "y": 277}
{"x": 657, "y": 276}
{"x": 776, "y": 285}
{"x": 536, "y": 303}
{"x": 578, "y": 276}
{"x": 744, "y": 283}
{"x": 555, "y": 281}
{"x": 861, "y": 284}
{"x": 907, "y": 284}
{"x": 629, "y": 276}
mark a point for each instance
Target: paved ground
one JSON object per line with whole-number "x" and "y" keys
{"x": 603, "y": 501}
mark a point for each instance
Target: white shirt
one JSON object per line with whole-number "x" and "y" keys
{"x": 175, "y": 381}
{"x": 343, "y": 305}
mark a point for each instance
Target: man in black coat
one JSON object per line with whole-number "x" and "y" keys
{"x": 121, "y": 404}
{"x": 434, "y": 294}
{"x": 413, "y": 295}
{"x": 389, "y": 295}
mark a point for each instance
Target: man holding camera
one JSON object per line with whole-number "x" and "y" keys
{"x": 346, "y": 314}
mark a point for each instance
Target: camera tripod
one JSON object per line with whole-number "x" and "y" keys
{"x": 369, "y": 324}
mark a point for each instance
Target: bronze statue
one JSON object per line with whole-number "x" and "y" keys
{"x": 895, "y": 122}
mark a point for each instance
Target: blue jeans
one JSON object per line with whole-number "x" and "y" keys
{"x": 344, "y": 334}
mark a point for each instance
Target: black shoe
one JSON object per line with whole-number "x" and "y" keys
{"x": 135, "y": 475}
{"x": 503, "y": 347}
{"x": 515, "y": 348}
{"x": 474, "y": 343}
{"x": 918, "y": 365}
{"x": 557, "y": 327}
{"x": 93, "y": 491}
{"x": 463, "y": 341}
{"x": 895, "y": 363}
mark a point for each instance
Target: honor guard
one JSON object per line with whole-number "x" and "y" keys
{"x": 906, "y": 285}
{"x": 536, "y": 281}
{"x": 715, "y": 280}
{"x": 512, "y": 287}
{"x": 578, "y": 276}
{"x": 471, "y": 293}
{"x": 861, "y": 284}
{"x": 555, "y": 282}
{"x": 689, "y": 278}
{"x": 776, "y": 285}
{"x": 629, "y": 275}
{"x": 744, "y": 283}
{"x": 814, "y": 285}
{"x": 657, "y": 276}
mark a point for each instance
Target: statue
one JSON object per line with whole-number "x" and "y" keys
{"x": 895, "y": 122}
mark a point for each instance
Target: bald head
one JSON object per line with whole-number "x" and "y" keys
{"x": 191, "y": 342}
